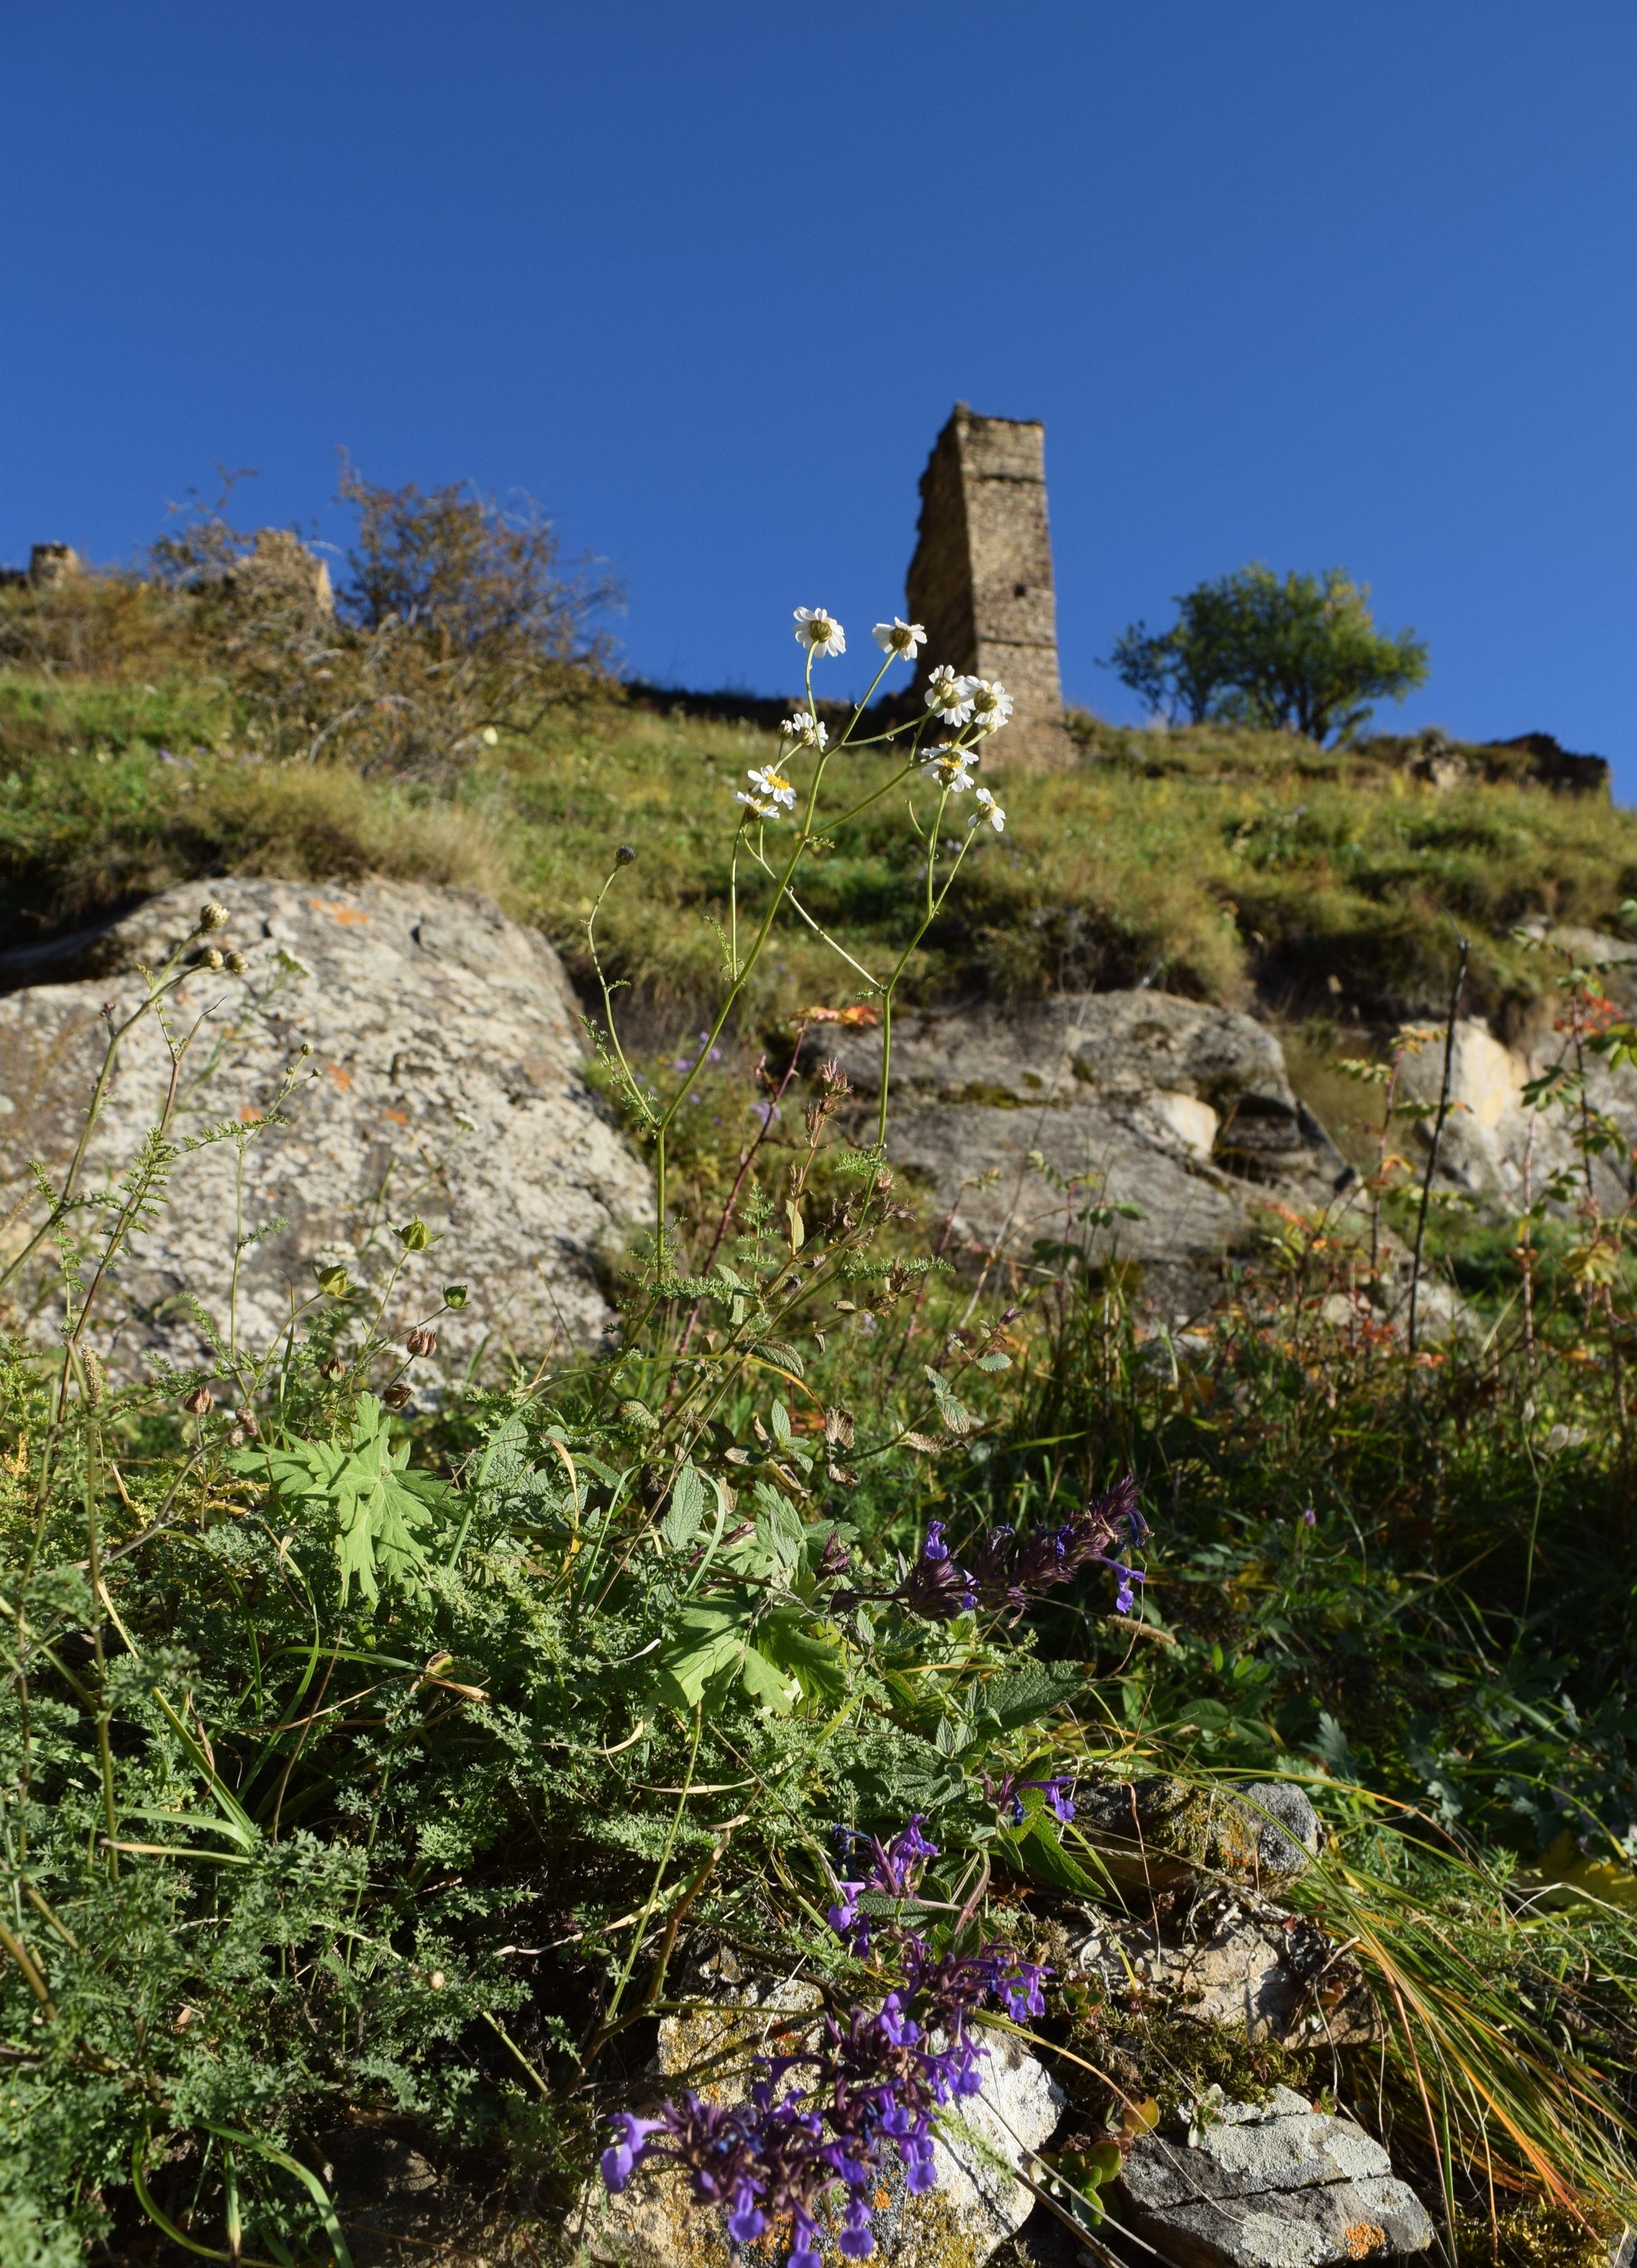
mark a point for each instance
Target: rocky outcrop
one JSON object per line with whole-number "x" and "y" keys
{"x": 1040, "y": 1123}
{"x": 1278, "y": 2185}
{"x": 442, "y": 1078}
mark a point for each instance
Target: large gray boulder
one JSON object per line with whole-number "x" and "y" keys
{"x": 443, "y": 1079}
{"x": 1136, "y": 1098}
{"x": 1276, "y": 2185}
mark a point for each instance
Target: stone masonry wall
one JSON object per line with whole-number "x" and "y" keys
{"x": 981, "y": 576}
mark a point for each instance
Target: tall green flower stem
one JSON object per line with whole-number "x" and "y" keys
{"x": 659, "y": 1117}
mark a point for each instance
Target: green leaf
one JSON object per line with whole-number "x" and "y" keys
{"x": 1035, "y": 1849}
{"x": 797, "y": 1644}
{"x": 686, "y": 1515}
{"x": 709, "y": 1638}
{"x": 1029, "y": 1695}
{"x": 377, "y": 1505}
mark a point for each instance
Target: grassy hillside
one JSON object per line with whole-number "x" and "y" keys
{"x": 1232, "y": 867}
{"x": 296, "y": 1861}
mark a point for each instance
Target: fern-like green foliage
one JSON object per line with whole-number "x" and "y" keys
{"x": 377, "y": 1503}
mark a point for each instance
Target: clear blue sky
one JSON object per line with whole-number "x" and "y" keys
{"x": 1307, "y": 283}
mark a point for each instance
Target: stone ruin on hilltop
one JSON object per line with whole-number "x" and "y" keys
{"x": 981, "y": 576}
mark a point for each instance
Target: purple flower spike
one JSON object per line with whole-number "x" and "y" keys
{"x": 934, "y": 1548}
{"x": 804, "y": 2250}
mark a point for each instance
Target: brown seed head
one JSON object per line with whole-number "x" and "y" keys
{"x": 396, "y": 1397}
{"x": 247, "y": 1418}
{"x": 422, "y": 1341}
{"x": 332, "y": 1366}
{"x": 198, "y": 1402}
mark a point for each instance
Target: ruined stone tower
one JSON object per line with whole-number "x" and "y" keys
{"x": 981, "y": 576}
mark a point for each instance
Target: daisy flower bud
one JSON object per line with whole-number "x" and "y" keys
{"x": 805, "y": 730}
{"x": 949, "y": 696}
{"x": 235, "y": 964}
{"x": 903, "y": 640}
{"x": 817, "y": 628}
{"x": 991, "y": 703}
{"x": 213, "y": 915}
{"x": 210, "y": 958}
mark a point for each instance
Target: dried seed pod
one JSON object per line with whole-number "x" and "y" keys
{"x": 422, "y": 1341}
{"x": 235, "y": 1437}
{"x": 247, "y": 1420}
{"x": 198, "y": 1402}
{"x": 96, "y": 1378}
{"x": 624, "y": 856}
{"x": 396, "y": 1397}
{"x": 332, "y": 1367}
{"x": 213, "y": 915}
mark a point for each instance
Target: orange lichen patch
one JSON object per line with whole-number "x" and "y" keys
{"x": 248, "y": 1114}
{"x": 1362, "y": 2238}
{"x": 341, "y": 1077}
{"x": 398, "y": 1117}
{"x": 349, "y": 916}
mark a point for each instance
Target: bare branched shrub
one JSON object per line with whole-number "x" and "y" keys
{"x": 459, "y": 621}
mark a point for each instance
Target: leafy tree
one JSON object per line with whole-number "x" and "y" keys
{"x": 1296, "y": 653}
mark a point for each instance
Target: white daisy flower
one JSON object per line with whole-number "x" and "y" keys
{"x": 805, "y": 730}
{"x": 991, "y": 703}
{"x": 949, "y": 767}
{"x": 989, "y": 809}
{"x": 755, "y": 805}
{"x": 949, "y": 696}
{"x": 818, "y": 629}
{"x": 773, "y": 786}
{"x": 904, "y": 640}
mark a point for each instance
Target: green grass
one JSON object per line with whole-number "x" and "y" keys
{"x": 1236, "y": 867}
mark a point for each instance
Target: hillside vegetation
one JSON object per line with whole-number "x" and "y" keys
{"x": 371, "y": 1758}
{"x": 1227, "y": 864}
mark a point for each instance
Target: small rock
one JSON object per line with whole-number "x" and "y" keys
{"x": 1277, "y": 2186}
{"x": 1155, "y": 1833}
